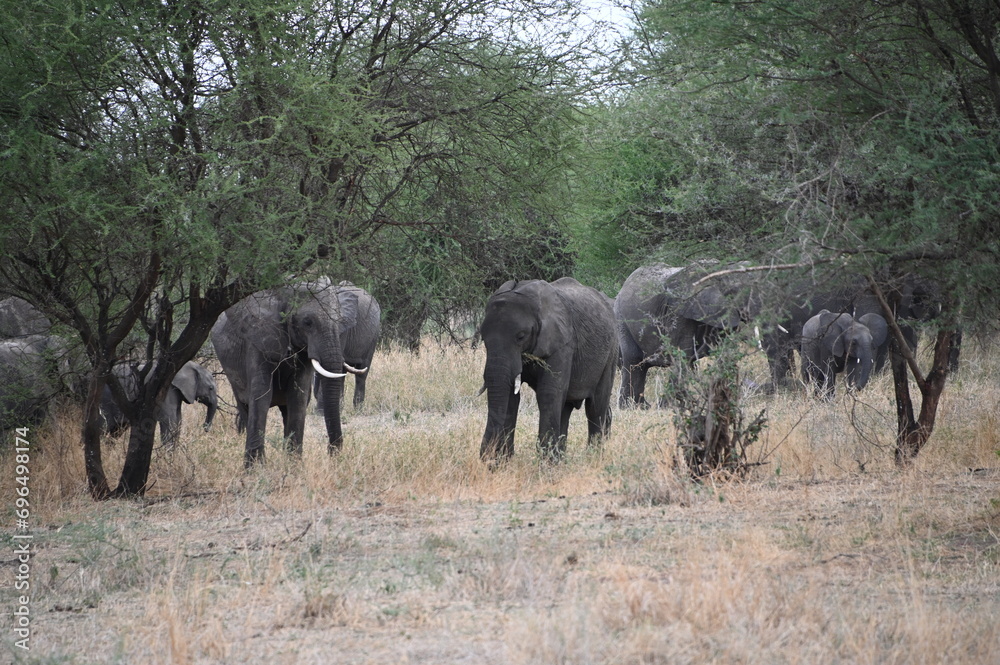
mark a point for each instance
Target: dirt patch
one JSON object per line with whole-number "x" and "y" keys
{"x": 845, "y": 570}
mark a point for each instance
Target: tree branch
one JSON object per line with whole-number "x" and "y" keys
{"x": 897, "y": 333}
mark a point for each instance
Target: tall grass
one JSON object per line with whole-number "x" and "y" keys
{"x": 419, "y": 430}
{"x": 405, "y": 547}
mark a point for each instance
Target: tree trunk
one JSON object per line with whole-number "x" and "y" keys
{"x": 139, "y": 455}
{"x": 912, "y": 433}
{"x": 97, "y": 482}
{"x": 135, "y": 472}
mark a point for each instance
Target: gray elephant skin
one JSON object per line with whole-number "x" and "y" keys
{"x": 558, "y": 338}
{"x": 797, "y": 303}
{"x": 658, "y": 309}
{"x": 358, "y": 342}
{"x": 839, "y": 343}
{"x": 192, "y": 383}
{"x": 269, "y": 345}
{"x": 19, "y": 318}
{"x": 34, "y": 369}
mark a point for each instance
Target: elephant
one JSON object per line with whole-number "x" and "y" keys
{"x": 658, "y": 308}
{"x": 834, "y": 343}
{"x": 879, "y": 329}
{"x": 34, "y": 369}
{"x": 19, "y": 318}
{"x": 800, "y": 301}
{"x": 269, "y": 345}
{"x": 192, "y": 383}
{"x": 358, "y": 343}
{"x": 559, "y": 338}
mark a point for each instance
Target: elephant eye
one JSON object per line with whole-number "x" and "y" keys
{"x": 521, "y": 335}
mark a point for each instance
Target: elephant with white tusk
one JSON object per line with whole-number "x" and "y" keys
{"x": 271, "y": 344}
{"x": 839, "y": 343}
{"x": 358, "y": 343}
{"x": 559, "y": 338}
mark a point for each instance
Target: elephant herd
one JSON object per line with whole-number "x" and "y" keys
{"x": 563, "y": 339}
{"x": 36, "y": 365}
{"x": 33, "y": 363}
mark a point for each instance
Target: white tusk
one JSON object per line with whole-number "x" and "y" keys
{"x": 355, "y": 370}
{"x": 517, "y": 384}
{"x": 756, "y": 333}
{"x": 323, "y": 372}
{"x": 782, "y": 329}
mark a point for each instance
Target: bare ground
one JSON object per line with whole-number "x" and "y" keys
{"x": 887, "y": 568}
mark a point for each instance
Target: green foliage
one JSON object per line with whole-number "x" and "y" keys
{"x": 161, "y": 160}
{"x": 851, "y": 128}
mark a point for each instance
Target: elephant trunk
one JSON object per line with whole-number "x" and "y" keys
{"x": 859, "y": 369}
{"x": 330, "y": 363}
{"x": 212, "y": 403}
{"x": 502, "y": 381}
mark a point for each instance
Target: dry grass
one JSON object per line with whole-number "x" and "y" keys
{"x": 404, "y": 548}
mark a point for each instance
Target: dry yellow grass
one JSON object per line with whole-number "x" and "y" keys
{"x": 404, "y": 548}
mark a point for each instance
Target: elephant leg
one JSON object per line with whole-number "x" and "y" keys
{"x": 598, "y": 409}
{"x": 359, "y": 389}
{"x": 633, "y": 387}
{"x": 318, "y": 394}
{"x": 256, "y": 422}
{"x": 598, "y": 420}
{"x": 550, "y": 419}
{"x": 294, "y": 411}
{"x": 780, "y": 353}
{"x": 169, "y": 417}
{"x": 505, "y": 446}
{"x": 559, "y": 447}
{"x": 828, "y": 375}
{"x": 630, "y": 394}
{"x": 242, "y": 413}
{"x": 812, "y": 374}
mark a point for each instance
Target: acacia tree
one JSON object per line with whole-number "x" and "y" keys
{"x": 864, "y": 135}
{"x": 161, "y": 160}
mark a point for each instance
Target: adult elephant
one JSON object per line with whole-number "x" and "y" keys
{"x": 659, "y": 308}
{"x": 269, "y": 345}
{"x": 358, "y": 343}
{"x": 33, "y": 370}
{"x": 559, "y": 338}
{"x": 192, "y": 383}
{"x": 838, "y": 343}
{"x": 798, "y": 302}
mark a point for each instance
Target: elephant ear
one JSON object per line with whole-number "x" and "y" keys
{"x": 832, "y": 327}
{"x": 709, "y": 305}
{"x": 877, "y": 327}
{"x": 348, "y": 317}
{"x": 186, "y": 381}
{"x": 555, "y": 325}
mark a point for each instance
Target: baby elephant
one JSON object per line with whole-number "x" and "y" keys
{"x": 192, "y": 383}
{"x": 834, "y": 343}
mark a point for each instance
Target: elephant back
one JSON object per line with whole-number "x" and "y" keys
{"x": 19, "y": 318}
